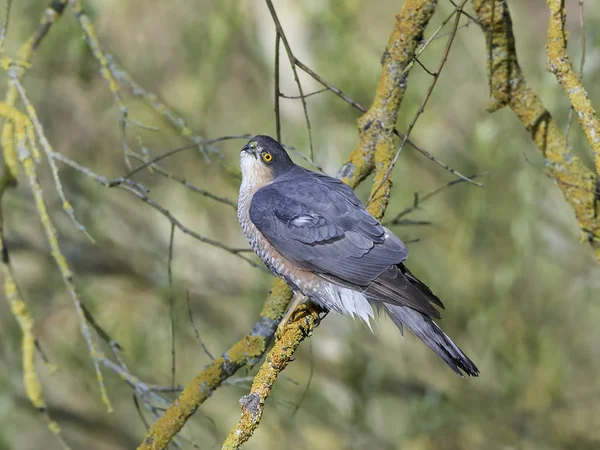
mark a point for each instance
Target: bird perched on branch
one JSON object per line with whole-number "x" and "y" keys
{"x": 312, "y": 231}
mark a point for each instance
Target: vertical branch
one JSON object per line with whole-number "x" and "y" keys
{"x": 384, "y": 163}
{"x": 100, "y": 55}
{"x": 376, "y": 126}
{"x": 581, "y": 63}
{"x": 560, "y": 65}
{"x": 277, "y": 91}
{"x": 24, "y": 56}
{"x": 4, "y": 26}
{"x": 24, "y": 141}
{"x": 20, "y": 311}
{"x": 292, "y": 59}
{"x": 49, "y": 151}
{"x": 509, "y": 88}
{"x": 276, "y": 361}
{"x": 171, "y": 303}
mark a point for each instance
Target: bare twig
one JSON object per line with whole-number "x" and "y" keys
{"x": 161, "y": 171}
{"x": 187, "y": 147}
{"x": 159, "y": 106}
{"x": 276, "y": 87}
{"x": 359, "y": 107}
{"x": 171, "y": 302}
{"x": 310, "y": 94}
{"x": 4, "y": 26}
{"x": 292, "y": 60}
{"x": 198, "y": 337}
{"x": 436, "y": 75}
{"x": 419, "y": 199}
{"x": 308, "y": 382}
{"x": 301, "y": 155}
{"x": 141, "y": 192}
{"x": 94, "y": 45}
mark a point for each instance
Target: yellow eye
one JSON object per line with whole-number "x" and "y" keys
{"x": 267, "y": 157}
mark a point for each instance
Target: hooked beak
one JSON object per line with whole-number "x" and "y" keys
{"x": 246, "y": 148}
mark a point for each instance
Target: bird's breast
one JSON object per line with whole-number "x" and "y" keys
{"x": 275, "y": 261}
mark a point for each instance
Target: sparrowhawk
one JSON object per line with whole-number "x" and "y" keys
{"x": 311, "y": 230}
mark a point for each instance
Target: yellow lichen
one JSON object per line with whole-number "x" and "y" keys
{"x": 277, "y": 301}
{"x": 509, "y": 88}
{"x": 560, "y": 65}
{"x": 375, "y": 149}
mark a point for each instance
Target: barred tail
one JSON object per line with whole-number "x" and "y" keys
{"x": 428, "y": 331}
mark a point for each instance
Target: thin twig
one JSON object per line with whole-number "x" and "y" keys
{"x": 310, "y": 94}
{"x": 292, "y": 60}
{"x": 308, "y": 382}
{"x": 4, "y": 26}
{"x": 419, "y": 199}
{"x": 361, "y": 108}
{"x": 247, "y": 350}
{"x": 161, "y": 171}
{"x": 171, "y": 302}
{"x": 457, "y": 15}
{"x": 96, "y": 48}
{"x": 159, "y": 106}
{"x": 49, "y": 151}
{"x": 187, "y": 147}
{"x": 141, "y": 192}
{"x": 276, "y": 87}
{"x": 198, "y": 337}
{"x": 305, "y": 158}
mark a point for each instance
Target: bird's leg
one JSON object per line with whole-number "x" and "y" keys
{"x": 296, "y": 300}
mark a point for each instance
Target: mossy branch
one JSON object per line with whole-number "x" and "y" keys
{"x": 375, "y": 127}
{"x": 509, "y": 88}
{"x": 247, "y": 351}
{"x": 560, "y": 65}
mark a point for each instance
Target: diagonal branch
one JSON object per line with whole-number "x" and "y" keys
{"x": 560, "y": 65}
{"x": 509, "y": 88}
{"x": 246, "y": 351}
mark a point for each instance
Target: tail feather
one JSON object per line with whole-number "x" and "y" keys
{"x": 428, "y": 331}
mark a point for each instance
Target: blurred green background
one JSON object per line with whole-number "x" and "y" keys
{"x": 519, "y": 287}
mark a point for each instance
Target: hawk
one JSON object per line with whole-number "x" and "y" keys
{"x": 311, "y": 230}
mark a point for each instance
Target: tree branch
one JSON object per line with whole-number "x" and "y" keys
{"x": 247, "y": 351}
{"x": 560, "y": 65}
{"x": 509, "y": 88}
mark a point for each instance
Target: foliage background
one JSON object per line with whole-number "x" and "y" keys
{"x": 506, "y": 260}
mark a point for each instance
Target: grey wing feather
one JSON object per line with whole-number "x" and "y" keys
{"x": 320, "y": 225}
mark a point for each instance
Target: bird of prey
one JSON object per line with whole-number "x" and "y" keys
{"x": 312, "y": 231}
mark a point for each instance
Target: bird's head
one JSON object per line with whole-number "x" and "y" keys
{"x": 262, "y": 160}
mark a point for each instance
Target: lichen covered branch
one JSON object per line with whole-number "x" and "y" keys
{"x": 560, "y": 65}
{"x": 509, "y": 88}
{"x": 246, "y": 351}
{"x": 375, "y": 127}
